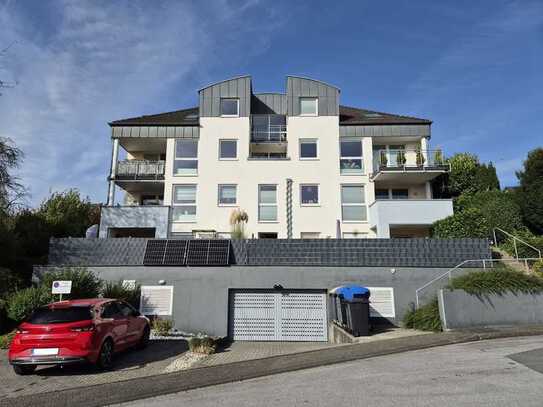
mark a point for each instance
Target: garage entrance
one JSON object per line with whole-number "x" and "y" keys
{"x": 286, "y": 315}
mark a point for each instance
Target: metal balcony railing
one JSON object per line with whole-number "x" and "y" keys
{"x": 140, "y": 169}
{"x": 409, "y": 159}
{"x": 270, "y": 134}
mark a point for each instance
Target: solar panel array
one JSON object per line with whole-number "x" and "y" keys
{"x": 197, "y": 252}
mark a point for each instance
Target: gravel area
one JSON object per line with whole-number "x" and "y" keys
{"x": 185, "y": 362}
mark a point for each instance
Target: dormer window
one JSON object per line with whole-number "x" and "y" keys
{"x": 309, "y": 107}
{"x": 230, "y": 107}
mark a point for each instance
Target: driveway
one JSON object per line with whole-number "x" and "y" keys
{"x": 130, "y": 364}
{"x": 501, "y": 372}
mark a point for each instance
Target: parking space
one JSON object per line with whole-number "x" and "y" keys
{"x": 153, "y": 360}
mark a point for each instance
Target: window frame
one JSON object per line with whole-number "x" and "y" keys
{"x": 361, "y": 157}
{"x": 219, "y": 186}
{"x": 307, "y": 184}
{"x": 220, "y": 149}
{"x": 308, "y": 141}
{"x": 363, "y": 204}
{"x": 398, "y": 189}
{"x": 267, "y": 204}
{"x": 312, "y": 98}
{"x": 180, "y": 205}
{"x": 175, "y": 158}
{"x": 229, "y": 115}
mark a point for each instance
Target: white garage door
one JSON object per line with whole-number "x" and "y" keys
{"x": 278, "y": 316}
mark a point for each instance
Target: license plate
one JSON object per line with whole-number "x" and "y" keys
{"x": 45, "y": 351}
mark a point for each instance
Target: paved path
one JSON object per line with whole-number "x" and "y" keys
{"x": 487, "y": 373}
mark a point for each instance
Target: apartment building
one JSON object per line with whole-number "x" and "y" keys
{"x": 298, "y": 163}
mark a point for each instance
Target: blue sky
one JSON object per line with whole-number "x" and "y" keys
{"x": 474, "y": 68}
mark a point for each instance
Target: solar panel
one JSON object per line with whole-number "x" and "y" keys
{"x": 219, "y": 251}
{"x": 176, "y": 251}
{"x": 154, "y": 252}
{"x": 197, "y": 252}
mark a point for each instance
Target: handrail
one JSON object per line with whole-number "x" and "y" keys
{"x": 450, "y": 271}
{"x": 515, "y": 238}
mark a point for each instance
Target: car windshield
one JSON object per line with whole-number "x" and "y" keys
{"x": 46, "y": 315}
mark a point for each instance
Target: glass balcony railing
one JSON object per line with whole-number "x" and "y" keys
{"x": 409, "y": 159}
{"x": 140, "y": 169}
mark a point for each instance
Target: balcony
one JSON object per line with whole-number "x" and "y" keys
{"x": 412, "y": 166}
{"x": 117, "y": 221}
{"x": 268, "y": 137}
{"x": 139, "y": 170}
{"x": 412, "y": 216}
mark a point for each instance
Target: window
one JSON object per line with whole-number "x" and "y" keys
{"x": 267, "y": 203}
{"x": 381, "y": 193}
{"x": 310, "y": 235}
{"x": 227, "y": 194}
{"x": 186, "y": 157}
{"x": 400, "y": 194}
{"x": 184, "y": 203}
{"x": 353, "y": 208}
{"x": 309, "y": 194}
{"x": 308, "y": 149}
{"x": 228, "y": 149}
{"x": 309, "y": 107}
{"x": 111, "y": 310}
{"x": 230, "y": 107}
{"x": 354, "y": 235}
{"x": 350, "y": 161}
{"x": 46, "y": 315}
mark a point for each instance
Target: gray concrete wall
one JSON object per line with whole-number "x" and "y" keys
{"x": 201, "y": 293}
{"x": 459, "y": 309}
{"x": 135, "y": 217}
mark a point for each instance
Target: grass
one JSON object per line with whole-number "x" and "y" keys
{"x": 480, "y": 283}
{"x": 5, "y": 339}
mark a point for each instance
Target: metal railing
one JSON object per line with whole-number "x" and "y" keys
{"x": 140, "y": 169}
{"x": 268, "y": 156}
{"x": 274, "y": 133}
{"x": 485, "y": 264}
{"x": 515, "y": 240}
{"x": 403, "y": 159}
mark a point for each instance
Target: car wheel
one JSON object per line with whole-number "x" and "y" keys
{"x": 144, "y": 340}
{"x": 23, "y": 370}
{"x": 105, "y": 358}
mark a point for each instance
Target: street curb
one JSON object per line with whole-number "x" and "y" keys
{"x": 151, "y": 386}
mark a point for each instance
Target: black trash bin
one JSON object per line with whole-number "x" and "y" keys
{"x": 353, "y": 309}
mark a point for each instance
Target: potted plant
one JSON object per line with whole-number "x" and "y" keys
{"x": 238, "y": 220}
{"x": 383, "y": 158}
{"x": 400, "y": 158}
{"x": 438, "y": 157}
{"x": 420, "y": 158}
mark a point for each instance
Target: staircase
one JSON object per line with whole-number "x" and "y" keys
{"x": 510, "y": 261}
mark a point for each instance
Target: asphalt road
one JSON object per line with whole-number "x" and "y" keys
{"x": 487, "y": 373}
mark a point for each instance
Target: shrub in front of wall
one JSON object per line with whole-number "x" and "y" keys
{"x": 203, "y": 344}
{"x": 468, "y": 223}
{"x": 499, "y": 282}
{"x": 162, "y": 327}
{"x": 21, "y": 303}
{"x": 426, "y": 318}
{"x": 85, "y": 284}
{"x": 119, "y": 291}
{"x": 537, "y": 267}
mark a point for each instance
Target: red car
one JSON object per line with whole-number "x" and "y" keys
{"x": 90, "y": 330}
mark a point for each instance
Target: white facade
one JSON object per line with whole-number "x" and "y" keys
{"x": 323, "y": 215}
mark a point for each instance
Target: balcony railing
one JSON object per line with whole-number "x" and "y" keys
{"x": 268, "y": 156}
{"x": 409, "y": 159}
{"x": 140, "y": 170}
{"x": 269, "y": 134}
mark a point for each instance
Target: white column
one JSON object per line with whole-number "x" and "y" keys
{"x": 428, "y": 190}
{"x": 424, "y": 149}
{"x": 114, "y": 158}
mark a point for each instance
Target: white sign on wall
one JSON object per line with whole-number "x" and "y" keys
{"x": 129, "y": 284}
{"x": 156, "y": 299}
{"x": 61, "y": 287}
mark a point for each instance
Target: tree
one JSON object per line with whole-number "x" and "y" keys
{"x": 466, "y": 223}
{"x": 11, "y": 191}
{"x": 67, "y": 214}
{"x": 530, "y": 193}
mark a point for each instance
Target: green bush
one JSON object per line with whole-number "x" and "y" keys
{"x": 6, "y": 339}
{"x": 85, "y": 284}
{"x": 467, "y": 223}
{"x": 162, "y": 327}
{"x": 21, "y": 303}
{"x": 523, "y": 250}
{"x": 426, "y": 318}
{"x": 537, "y": 267}
{"x": 118, "y": 290}
{"x": 498, "y": 282}
{"x": 202, "y": 344}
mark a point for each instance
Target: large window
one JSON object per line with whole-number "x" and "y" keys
{"x": 353, "y": 208}
{"x": 230, "y": 107}
{"x": 267, "y": 203}
{"x": 400, "y": 193}
{"x": 228, "y": 149}
{"x": 227, "y": 194}
{"x": 309, "y": 106}
{"x": 351, "y": 161}
{"x": 184, "y": 203}
{"x": 308, "y": 149}
{"x": 186, "y": 157}
{"x": 309, "y": 194}
{"x": 394, "y": 193}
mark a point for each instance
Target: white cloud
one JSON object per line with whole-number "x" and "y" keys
{"x": 102, "y": 61}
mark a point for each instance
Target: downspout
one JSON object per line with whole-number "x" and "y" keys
{"x": 289, "y": 208}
